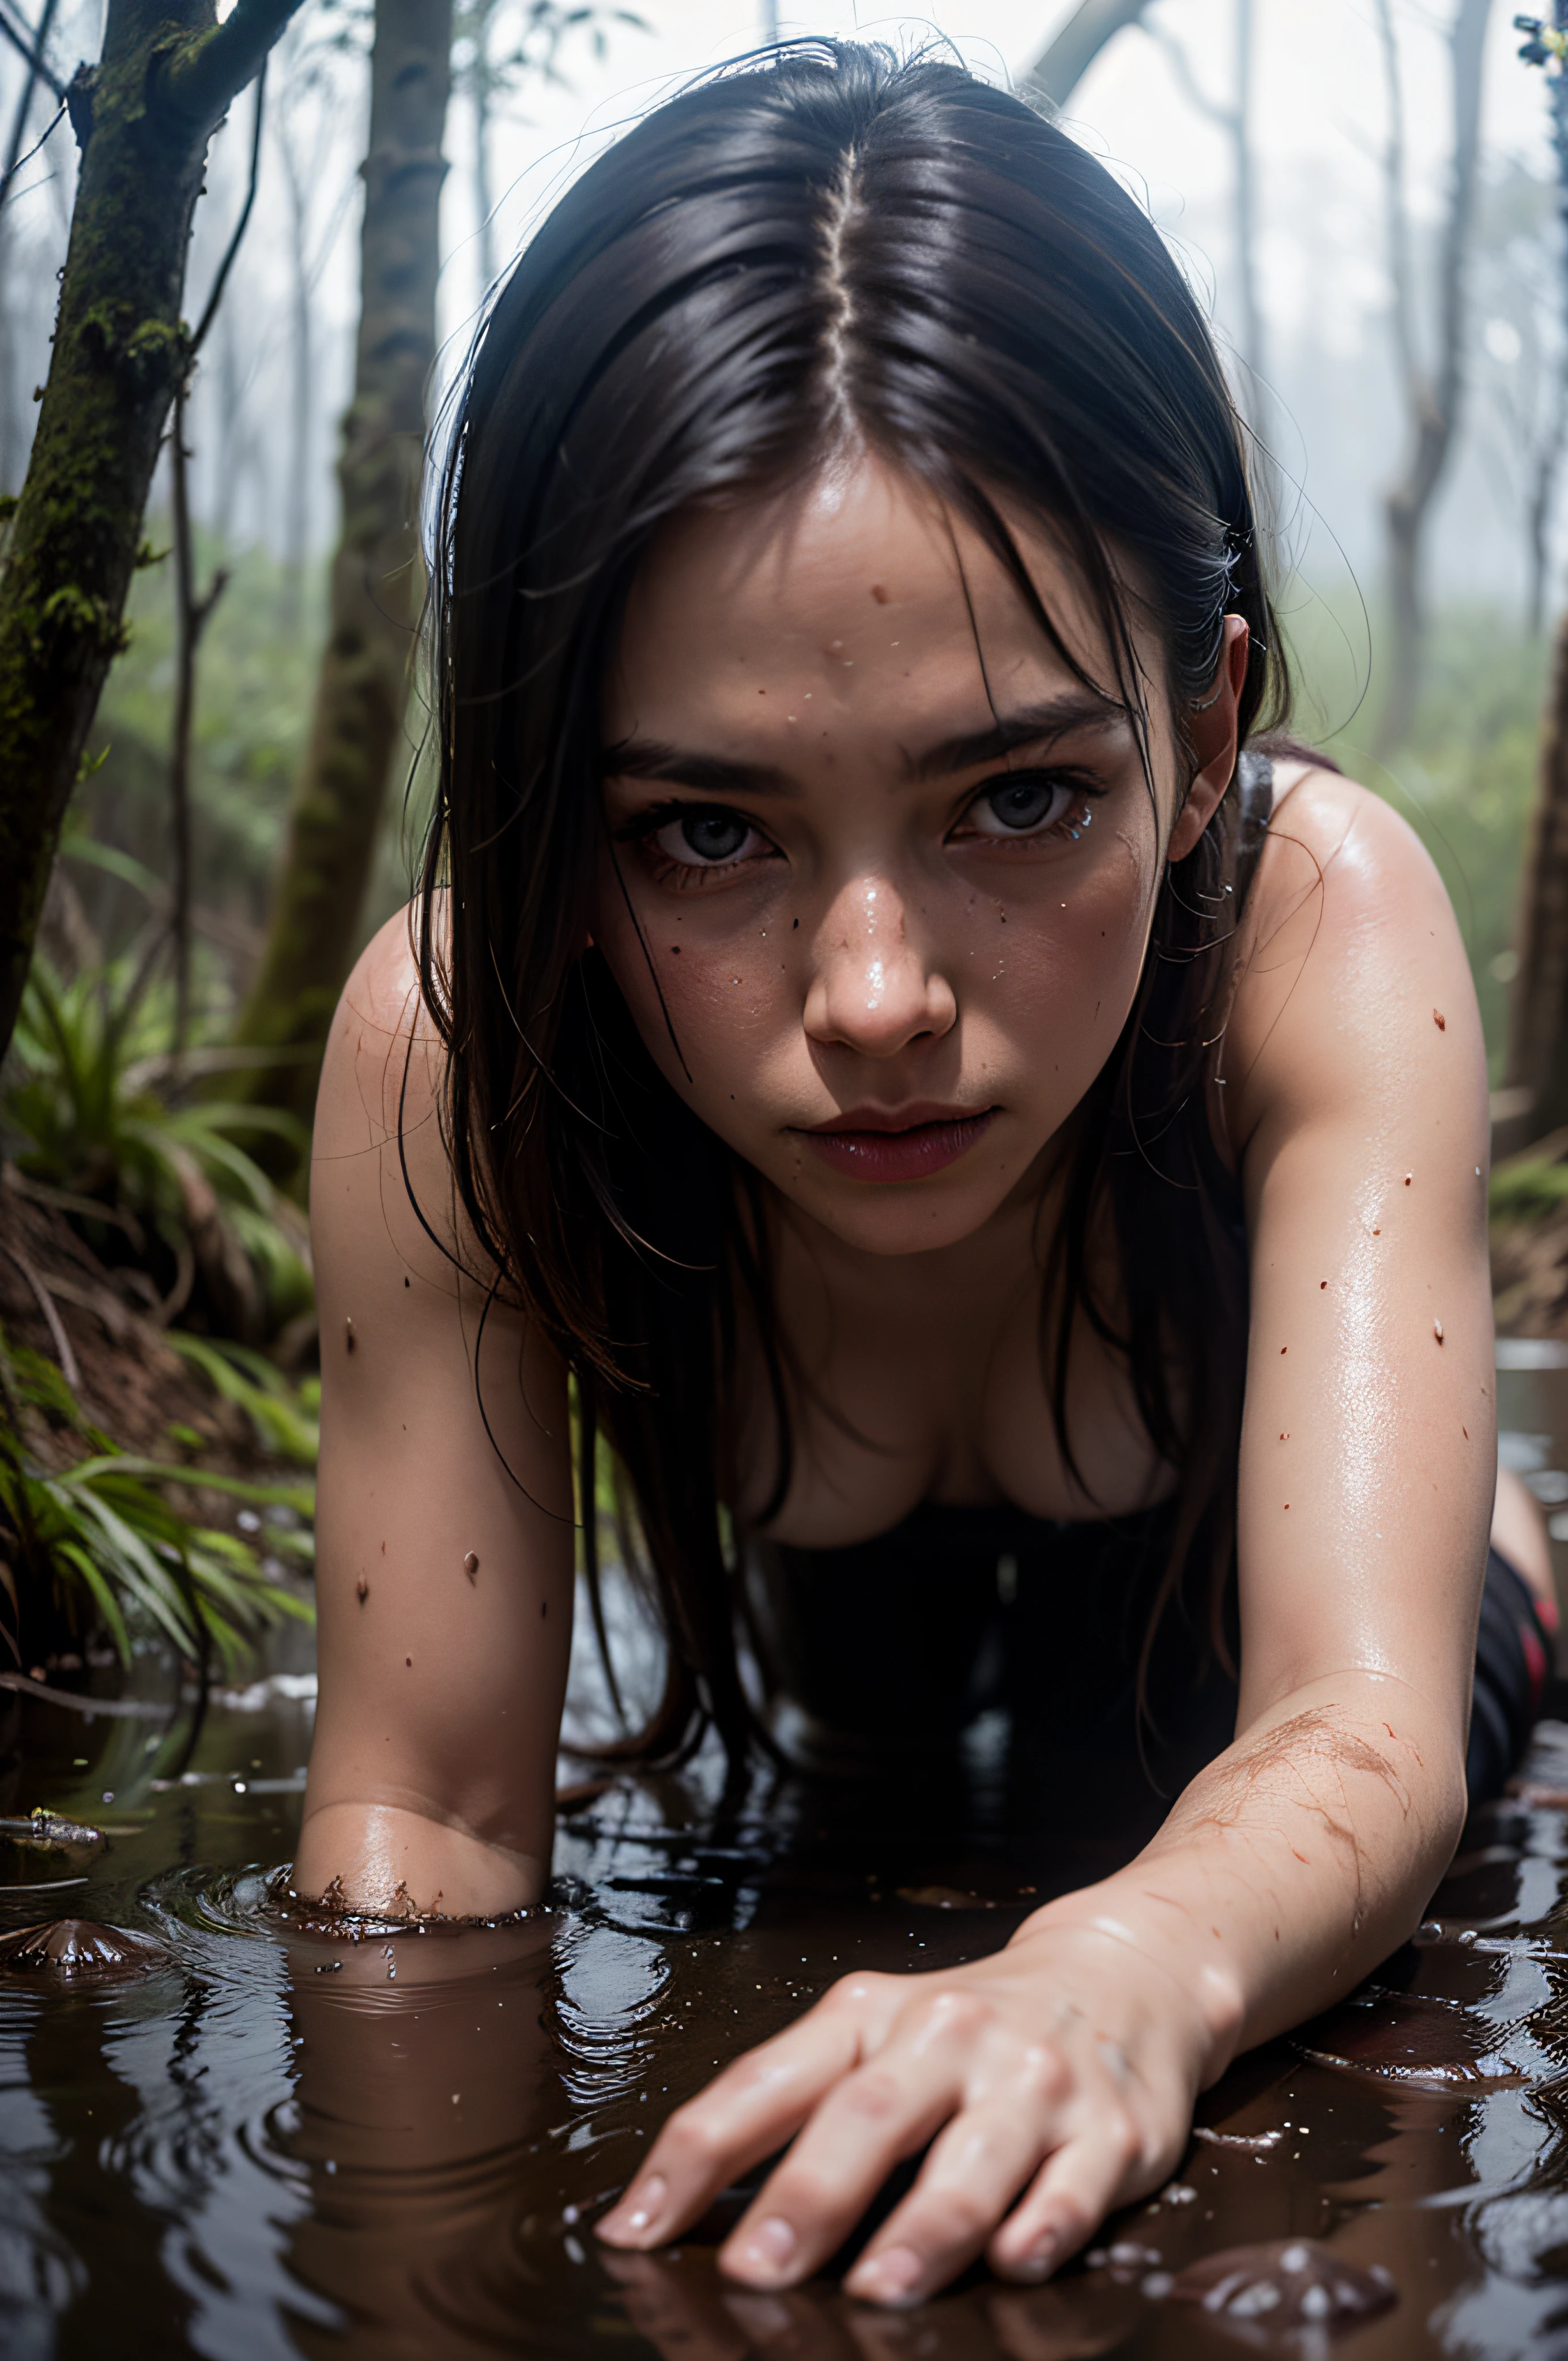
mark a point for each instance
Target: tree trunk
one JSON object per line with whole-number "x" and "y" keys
{"x": 484, "y": 198}
{"x": 1067, "y": 58}
{"x": 144, "y": 116}
{"x": 1538, "y": 1031}
{"x": 1432, "y": 398}
{"x": 11, "y": 436}
{"x": 377, "y": 576}
{"x": 298, "y": 487}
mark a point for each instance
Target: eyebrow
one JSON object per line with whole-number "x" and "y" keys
{"x": 718, "y": 775}
{"x": 1028, "y": 725}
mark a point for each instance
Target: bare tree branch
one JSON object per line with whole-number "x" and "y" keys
{"x": 32, "y": 49}
{"x": 1067, "y": 58}
{"x": 1432, "y": 396}
{"x": 206, "y": 76}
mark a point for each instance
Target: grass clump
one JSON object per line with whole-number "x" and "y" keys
{"x": 98, "y": 1543}
{"x": 99, "y": 1111}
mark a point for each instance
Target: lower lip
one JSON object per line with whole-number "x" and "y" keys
{"x": 911, "y": 1155}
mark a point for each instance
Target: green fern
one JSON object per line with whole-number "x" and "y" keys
{"x": 95, "y": 1105}
{"x": 102, "y": 1542}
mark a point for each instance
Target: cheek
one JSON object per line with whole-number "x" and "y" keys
{"x": 723, "y": 990}
{"x": 1062, "y": 967}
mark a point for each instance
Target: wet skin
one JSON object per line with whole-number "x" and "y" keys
{"x": 858, "y": 907}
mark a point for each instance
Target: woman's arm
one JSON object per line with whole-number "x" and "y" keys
{"x": 444, "y": 1551}
{"x": 1057, "y": 2080}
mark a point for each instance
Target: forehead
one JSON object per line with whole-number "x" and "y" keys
{"x": 861, "y": 576}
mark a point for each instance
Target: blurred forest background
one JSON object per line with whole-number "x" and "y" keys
{"x": 1369, "y": 196}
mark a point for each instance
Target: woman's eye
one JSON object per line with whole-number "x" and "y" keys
{"x": 702, "y": 838}
{"x": 1022, "y": 801}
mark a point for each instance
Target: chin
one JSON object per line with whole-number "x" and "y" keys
{"x": 917, "y": 1219}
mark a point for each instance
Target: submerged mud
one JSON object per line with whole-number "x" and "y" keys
{"x": 284, "y": 2142}
{"x": 289, "y": 2142}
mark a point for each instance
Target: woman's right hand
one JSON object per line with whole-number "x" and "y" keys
{"x": 444, "y": 1525}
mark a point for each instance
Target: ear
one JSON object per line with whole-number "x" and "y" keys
{"x": 1212, "y": 726}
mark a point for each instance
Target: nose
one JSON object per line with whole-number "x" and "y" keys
{"x": 874, "y": 989}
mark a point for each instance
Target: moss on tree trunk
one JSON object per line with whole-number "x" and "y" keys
{"x": 357, "y": 734}
{"x": 143, "y": 116}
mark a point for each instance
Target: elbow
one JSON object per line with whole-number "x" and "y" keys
{"x": 1446, "y": 1809}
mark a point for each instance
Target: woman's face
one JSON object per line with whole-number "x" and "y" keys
{"x": 874, "y": 858}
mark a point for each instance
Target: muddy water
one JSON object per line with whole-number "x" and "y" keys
{"x": 269, "y": 2142}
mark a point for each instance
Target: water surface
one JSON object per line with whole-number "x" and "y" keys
{"x": 278, "y": 2144}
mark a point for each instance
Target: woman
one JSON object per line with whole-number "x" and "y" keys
{"x": 880, "y": 1025}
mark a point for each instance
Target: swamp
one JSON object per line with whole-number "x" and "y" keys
{"x": 234, "y": 2122}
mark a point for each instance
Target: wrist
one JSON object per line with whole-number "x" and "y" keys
{"x": 1200, "y": 1970}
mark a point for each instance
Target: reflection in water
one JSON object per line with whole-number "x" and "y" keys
{"x": 285, "y": 2143}
{"x": 278, "y": 2143}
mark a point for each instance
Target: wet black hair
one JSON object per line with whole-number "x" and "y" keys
{"x": 831, "y": 247}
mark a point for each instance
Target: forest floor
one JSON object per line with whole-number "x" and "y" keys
{"x": 58, "y": 1299}
{"x": 1530, "y": 1276}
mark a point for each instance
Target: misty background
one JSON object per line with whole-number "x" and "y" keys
{"x": 1312, "y": 345}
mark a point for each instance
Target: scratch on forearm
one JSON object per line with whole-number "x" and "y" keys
{"x": 1306, "y": 1761}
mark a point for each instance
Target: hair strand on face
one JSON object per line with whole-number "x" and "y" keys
{"x": 792, "y": 262}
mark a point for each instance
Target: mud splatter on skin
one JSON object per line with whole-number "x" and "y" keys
{"x": 1282, "y": 1762}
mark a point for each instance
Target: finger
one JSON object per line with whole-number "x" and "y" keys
{"x": 967, "y": 2183}
{"x": 1074, "y": 2192}
{"x": 884, "y": 2110}
{"x": 751, "y": 2109}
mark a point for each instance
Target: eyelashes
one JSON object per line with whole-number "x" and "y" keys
{"x": 686, "y": 842}
{"x": 714, "y": 833}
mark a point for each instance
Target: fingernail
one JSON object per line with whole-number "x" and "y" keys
{"x": 1039, "y": 2260}
{"x": 638, "y": 2209}
{"x": 885, "y": 2277}
{"x": 769, "y": 2245}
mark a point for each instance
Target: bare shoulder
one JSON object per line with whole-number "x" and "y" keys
{"x": 379, "y": 1154}
{"x": 1351, "y": 973}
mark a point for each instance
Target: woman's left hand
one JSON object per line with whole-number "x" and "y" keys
{"x": 1050, "y": 2082}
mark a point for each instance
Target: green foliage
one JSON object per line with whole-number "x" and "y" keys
{"x": 102, "y": 1542}
{"x": 259, "y": 652}
{"x": 1465, "y": 781}
{"x": 92, "y": 1105}
{"x": 1525, "y": 1189}
{"x": 287, "y": 1419}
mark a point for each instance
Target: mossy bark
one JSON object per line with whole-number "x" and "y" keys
{"x": 143, "y": 116}
{"x": 357, "y": 735}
